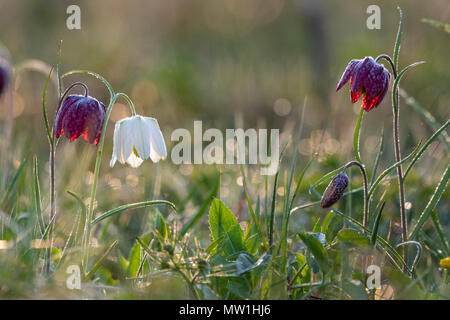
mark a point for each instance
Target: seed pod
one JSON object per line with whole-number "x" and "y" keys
{"x": 5, "y": 75}
{"x": 335, "y": 190}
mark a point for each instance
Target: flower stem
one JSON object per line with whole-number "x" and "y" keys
{"x": 98, "y": 160}
{"x": 362, "y": 168}
{"x": 398, "y": 156}
{"x": 52, "y": 205}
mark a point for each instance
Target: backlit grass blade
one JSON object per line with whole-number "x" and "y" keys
{"x": 424, "y": 147}
{"x": 388, "y": 170}
{"x": 252, "y": 212}
{"x": 377, "y": 158}
{"x": 37, "y": 195}
{"x": 99, "y": 262}
{"x": 132, "y": 206}
{"x": 427, "y": 116}
{"x": 440, "y": 233}
{"x": 440, "y": 188}
{"x": 376, "y": 224}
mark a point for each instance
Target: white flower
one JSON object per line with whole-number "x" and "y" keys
{"x": 137, "y": 138}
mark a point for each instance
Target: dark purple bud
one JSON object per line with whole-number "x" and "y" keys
{"x": 335, "y": 190}
{"x": 80, "y": 116}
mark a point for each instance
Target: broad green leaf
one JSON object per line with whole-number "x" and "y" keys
{"x": 223, "y": 223}
{"x": 316, "y": 249}
{"x": 353, "y": 236}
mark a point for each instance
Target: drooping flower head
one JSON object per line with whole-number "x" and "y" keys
{"x": 335, "y": 190}
{"x": 5, "y": 75}
{"x": 369, "y": 79}
{"x": 137, "y": 138}
{"x": 80, "y": 116}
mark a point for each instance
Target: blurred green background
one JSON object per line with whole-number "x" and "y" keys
{"x": 229, "y": 63}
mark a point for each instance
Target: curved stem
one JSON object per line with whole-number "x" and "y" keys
{"x": 366, "y": 190}
{"x": 398, "y": 156}
{"x": 388, "y": 59}
{"x": 130, "y": 103}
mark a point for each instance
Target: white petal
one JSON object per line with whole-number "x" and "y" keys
{"x": 142, "y": 138}
{"x": 134, "y": 161}
{"x": 126, "y": 140}
{"x": 158, "y": 146}
{"x": 116, "y": 146}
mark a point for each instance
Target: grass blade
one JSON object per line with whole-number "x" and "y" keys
{"x": 424, "y": 147}
{"x": 440, "y": 188}
{"x": 428, "y": 117}
{"x": 388, "y": 170}
{"x": 440, "y": 233}
{"x": 132, "y": 206}
{"x": 377, "y": 158}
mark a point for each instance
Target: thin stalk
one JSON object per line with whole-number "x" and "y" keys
{"x": 366, "y": 190}
{"x": 53, "y": 143}
{"x": 52, "y": 205}
{"x": 98, "y": 160}
{"x": 398, "y": 156}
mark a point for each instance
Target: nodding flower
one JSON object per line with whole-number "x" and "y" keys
{"x": 80, "y": 116}
{"x": 445, "y": 263}
{"x": 368, "y": 78}
{"x": 335, "y": 190}
{"x": 5, "y": 75}
{"x": 137, "y": 138}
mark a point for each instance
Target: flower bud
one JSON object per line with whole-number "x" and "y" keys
{"x": 445, "y": 263}
{"x": 335, "y": 190}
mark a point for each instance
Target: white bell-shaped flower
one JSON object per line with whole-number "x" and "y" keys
{"x": 138, "y": 138}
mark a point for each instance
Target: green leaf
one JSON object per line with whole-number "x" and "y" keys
{"x": 398, "y": 39}
{"x": 99, "y": 262}
{"x": 356, "y": 136}
{"x": 135, "y": 255}
{"x": 37, "y": 195}
{"x": 223, "y": 223}
{"x": 388, "y": 170}
{"x": 160, "y": 225}
{"x": 12, "y": 183}
{"x": 397, "y": 82}
{"x": 376, "y": 224}
{"x": 424, "y": 147}
{"x": 352, "y": 236}
{"x": 316, "y": 249}
{"x": 44, "y": 109}
{"x": 377, "y": 159}
{"x": 440, "y": 188}
{"x": 440, "y": 233}
{"x": 437, "y": 24}
{"x": 252, "y": 212}
{"x": 427, "y": 116}
{"x": 132, "y": 206}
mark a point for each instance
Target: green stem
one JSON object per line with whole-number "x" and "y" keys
{"x": 98, "y": 160}
{"x": 398, "y": 156}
